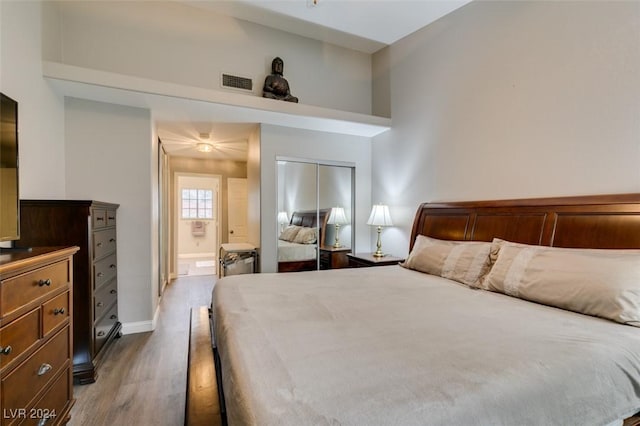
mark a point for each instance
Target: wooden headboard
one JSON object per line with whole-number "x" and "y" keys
{"x": 309, "y": 218}
{"x": 599, "y": 221}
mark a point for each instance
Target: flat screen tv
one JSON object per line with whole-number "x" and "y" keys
{"x": 9, "y": 197}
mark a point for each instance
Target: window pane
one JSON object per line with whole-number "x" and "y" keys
{"x": 185, "y": 213}
{"x": 193, "y": 194}
{"x": 209, "y": 214}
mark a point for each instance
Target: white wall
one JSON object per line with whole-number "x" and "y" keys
{"x": 173, "y": 42}
{"x": 281, "y": 141}
{"x": 40, "y": 110}
{"x": 511, "y": 100}
{"x": 109, "y": 156}
{"x": 253, "y": 188}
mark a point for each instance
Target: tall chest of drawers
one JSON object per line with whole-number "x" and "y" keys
{"x": 90, "y": 225}
{"x": 35, "y": 336}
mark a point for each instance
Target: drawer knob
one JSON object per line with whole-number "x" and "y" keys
{"x": 111, "y": 218}
{"x": 99, "y": 274}
{"x": 6, "y": 350}
{"x": 100, "y": 333}
{"x": 114, "y": 291}
{"x": 44, "y": 369}
{"x": 113, "y": 317}
{"x": 112, "y": 240}
{"x": 99, "y": 245}
{"x": 99, "y": 305}
{"x": 42, "y": 283}
{"x": 99, "y": 218}
{"x": 112, "y": 266}
{"x": 58, "y": 311}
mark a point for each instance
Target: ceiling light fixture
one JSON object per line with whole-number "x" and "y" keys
{"x": 204, "y": 147}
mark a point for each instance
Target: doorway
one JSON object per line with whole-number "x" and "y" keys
{"x": 197, "y": 223}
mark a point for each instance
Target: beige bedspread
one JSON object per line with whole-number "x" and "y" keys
{"x": 390, "y": 346}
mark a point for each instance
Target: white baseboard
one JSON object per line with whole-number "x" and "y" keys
{"x": 140, "y": 326}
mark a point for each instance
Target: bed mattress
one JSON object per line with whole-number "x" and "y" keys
{"x": 294, "y": 252}
{"x": 391, "y": 346}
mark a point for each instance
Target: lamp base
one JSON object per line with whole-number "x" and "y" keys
{"x": 378, "y": 252}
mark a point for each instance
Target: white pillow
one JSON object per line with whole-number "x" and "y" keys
{"x": 306, "y": 236}
{"x": 463, "y": 261}
{"x": 599, "y": 282}
{"x": 289, "y": 233}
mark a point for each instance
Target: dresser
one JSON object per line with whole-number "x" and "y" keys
{"x": 35, "y": 336}
{"x": 90, "y": 225}
{"x": 334, "y": 258}
{"x": 364, "y": 260}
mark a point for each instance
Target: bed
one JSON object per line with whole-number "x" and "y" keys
{"x": 392, "y": 345}
{"x": 296, "y": 257}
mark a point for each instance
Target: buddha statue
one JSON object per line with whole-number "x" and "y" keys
{"x": 275, "y": 85}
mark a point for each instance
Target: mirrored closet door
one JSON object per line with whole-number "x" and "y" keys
{"x": 315, "y": 211}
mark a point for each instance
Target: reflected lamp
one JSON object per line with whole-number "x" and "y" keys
{"x": 283, "y": 219}
{"x": 379, "y": 217}
{"x": 337, "y": 218}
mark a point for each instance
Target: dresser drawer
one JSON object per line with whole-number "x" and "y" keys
{"x": 20, "y": 335}
{"x": 17, "y": 292}
{"x": 111, "y": 218}
{"x": 104, "y": 270}
{"x": 104, "y": 298}
{"x": 98, "y": 218}
{"x": 104, "y": 242}
{"x": 55, "y": 312}
{"x": 104, "y": 326}
{"x": 52, "y": 404}
{"x": 29, "y": 378}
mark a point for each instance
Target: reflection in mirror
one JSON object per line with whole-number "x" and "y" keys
{"x": 315, "y": 210}
{"x": 297, "y": 202}
{"x": 335, "y": 191}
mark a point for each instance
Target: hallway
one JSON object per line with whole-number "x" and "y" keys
{"x": 142, "y": 380}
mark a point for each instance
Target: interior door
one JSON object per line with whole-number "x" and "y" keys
{"x": 237, "y": 210}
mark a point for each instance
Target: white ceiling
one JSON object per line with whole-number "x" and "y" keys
{"x": 364, "y": 25}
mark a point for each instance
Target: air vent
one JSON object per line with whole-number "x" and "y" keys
{"x": 235, "y": 82}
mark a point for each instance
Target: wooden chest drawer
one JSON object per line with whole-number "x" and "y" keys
{"x": 98, "y": 218}
{"x": 104, "y": 298}
{"x": 111, "y": 218}
{"x": 19, "y": 335}
{"x": 21, "y": 386}
{"x": 104, "y": 270}
{"x": 104, "y": 326}
{"x": 104, "y": 242}
{"x": 54, "y": 404}
{"x": 54, "y": 313}
{"x": 23, "y": 289}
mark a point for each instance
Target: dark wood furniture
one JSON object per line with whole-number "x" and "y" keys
{"x": 90, "y": 225}
{"x": 334, "y": 258}
{"x": 310, "y": 219}
{"x": 361, "y": 260}
{"x": 601, "y": 221}
{"x": 35, "y": 336}
{"x": 201, "y": 408}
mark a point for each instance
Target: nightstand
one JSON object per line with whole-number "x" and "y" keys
{"x": 334, "y": 258}
{"x": 360, "y": 260}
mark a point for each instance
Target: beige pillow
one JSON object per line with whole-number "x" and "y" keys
{"x": 289, "y": 233}
{"x": 306, "y": 236}
{"x": 599, "y": 282}
{"x": 463, "y": 261}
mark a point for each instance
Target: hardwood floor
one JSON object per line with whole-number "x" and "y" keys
{"x": 143, "y": 378}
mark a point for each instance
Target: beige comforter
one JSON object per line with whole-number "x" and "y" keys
{"x": 390, "y": 346}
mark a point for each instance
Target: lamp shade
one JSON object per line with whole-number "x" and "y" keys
{"x": 380, "y": 216}
{"x": 283, "y": 218}
{"x": 337, "y": 217}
